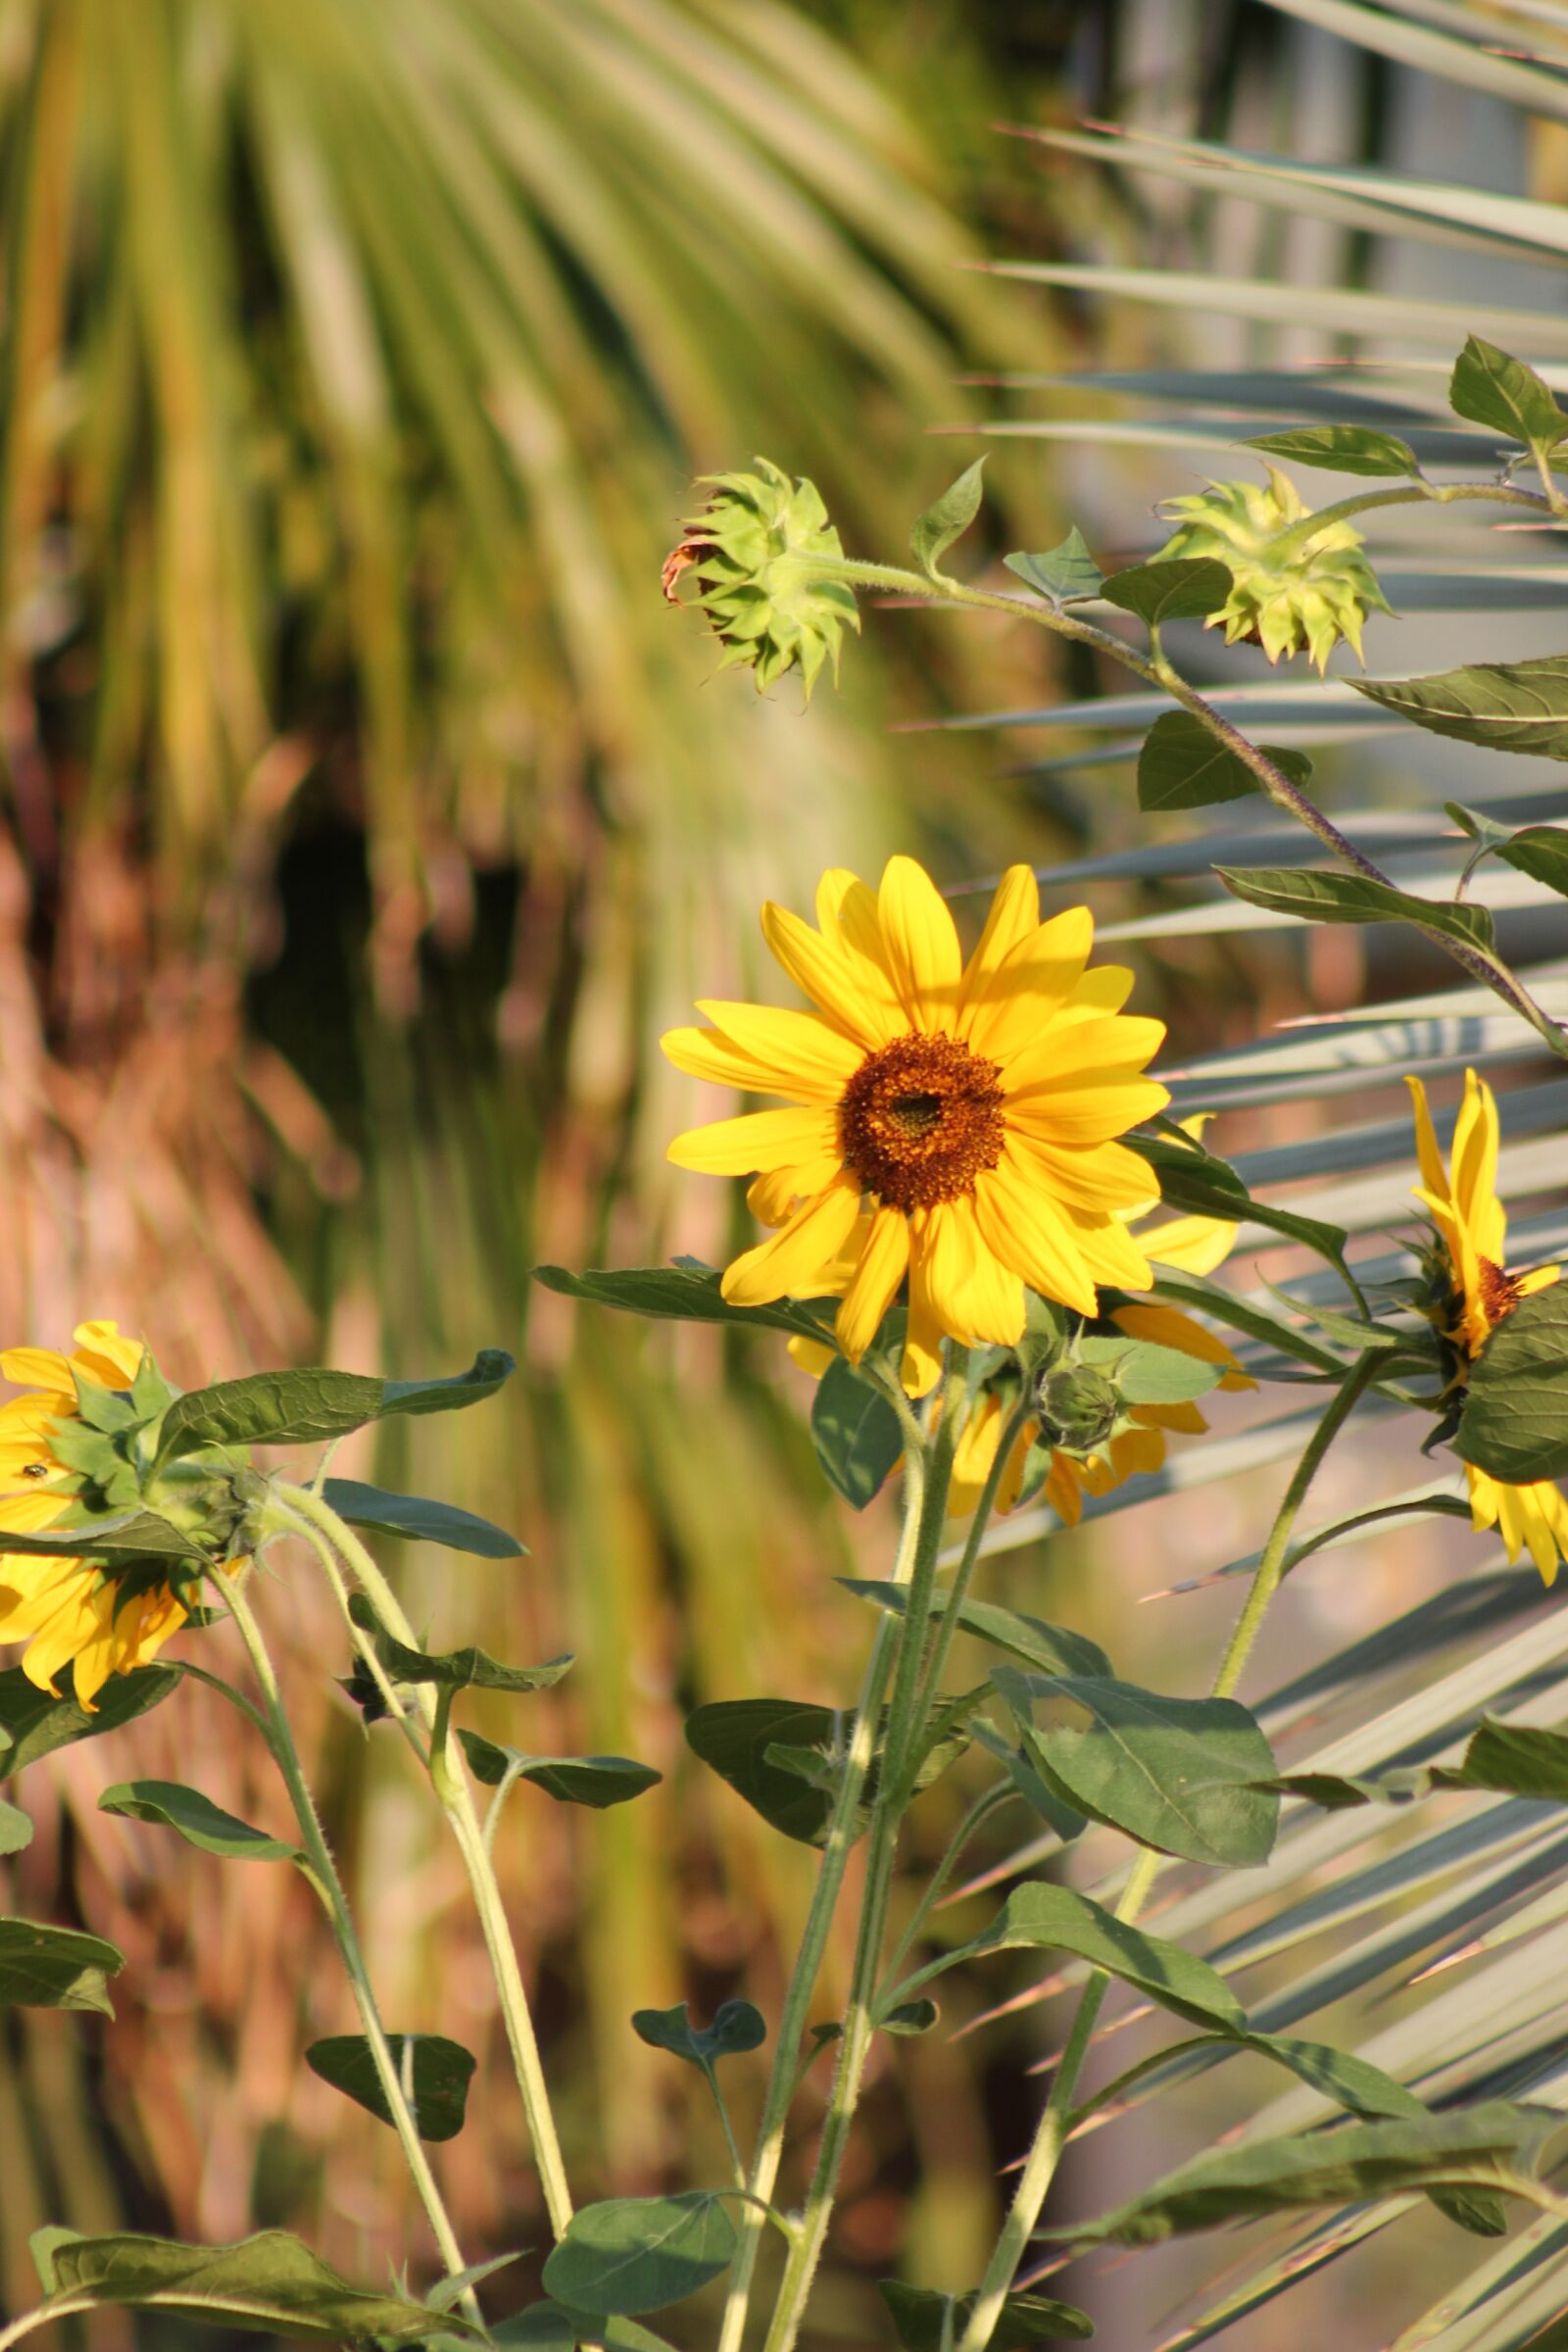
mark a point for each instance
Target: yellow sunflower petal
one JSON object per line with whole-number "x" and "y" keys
{"x": 35, "y": 1508}
{"x": 1087, "y": 1108}
{"x": 1185, "y": 1419}
{"x": 1021, "y": 1226}
{"x": 1014, "y": 916}
{"x": 1106, "y": 989}
{"x": 883, "y": 1262}
{"x": 38, "y": 1368}
{"x": 791, "y": 1257}
{"x": 847, "y": 914}
{"x": 1197, "y": 1245}
{"x": 1433, "y": 1175}
{"x": 826, "y": 974}
{"x": 973, "y": 1457}
{"x": 1120, "y": 1041}
{"x": 1109, "y": 1250}
{"x": 106, "y": 1354}
{"x": 1031, "y": 981}
{"x": 761, "y": 1140}
{"x": 1064, "y": 1490}
{"x": 922, "y": 945}
{"x": 1103, "y": 1177}
{"x": 774, "y": 1197}
{"x": 1168, "y": 1327}
{"x": 1474, "y": 1162}
{"x": 921, "y": 1367}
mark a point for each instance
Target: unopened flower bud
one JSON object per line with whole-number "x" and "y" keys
{"x": 1079, "y": 1407}
{"x": 755, "y": 552}
{"x": 1309, "y": 589}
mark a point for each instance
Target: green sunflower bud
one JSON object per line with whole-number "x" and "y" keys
{"x": 1079, "y": 1407}
{"x": 755, "y": 552}
{"x": 1291, "y": 588}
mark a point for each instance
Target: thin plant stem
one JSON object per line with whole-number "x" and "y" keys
{"x": 900, "y": 1746}
{"x": 1050, "y": 2135}
{"x": 456, "y": 1799}
{"x": 281, "y": 1741}
{"x": 783, "y": 2080}
{"x": 1001, "y": 1792}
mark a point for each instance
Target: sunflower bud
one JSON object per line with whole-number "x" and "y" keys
{"x": 1291, "y": 588}
{"x": 755, "y": 552}
{"x": 1079, "y": 1407}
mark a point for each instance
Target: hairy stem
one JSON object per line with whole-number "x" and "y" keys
{"x": 1051, "y": 2137}
{"x": 281, "y": 1739}
{"x": 456, "y": 1799}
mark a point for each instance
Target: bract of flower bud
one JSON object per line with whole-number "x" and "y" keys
{"x": 1309, "y": 592}
{"x": 754, "y": 552}
{"x": 1079, "y": 1407}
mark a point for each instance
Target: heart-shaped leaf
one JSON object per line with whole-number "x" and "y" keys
{"x": 434, "y": 2074}
{"x": 635, "y": 2254}
{"x": 55, "y": 1968}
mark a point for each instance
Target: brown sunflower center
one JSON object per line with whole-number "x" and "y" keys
{"x": 919, "y": 1120}
{"x": 1500, "y": 1291}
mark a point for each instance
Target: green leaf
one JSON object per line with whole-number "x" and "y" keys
{"x": 597, "y": 1780}
{"x": 1180, "y": 1775}
{"x": 909, "y": 2018}
{"x": 552, "y": 2327}
{"x": 15, "y": 1830}
{"x": 736, "y": 2028}
{"x": 42, "y": 2244}
{"x": 1146, "y": 1373}
{"x": 114, "y": 1535}
{"x": 197, "y": 1819}
{"x": 682, "y": 1295}
{"x": 1182, "y": 765}
{"x": 32, "y": 1724}
{"x": 1053, "y": 1648}
{"x": 1515, "y": 1419}
{"x": 635, "y": 2254}
{"x": 413, "y": 1515}
{"x": 106, "y": 1410}
{"x": 1541, "y": 852}
{"x": 55, "y": 1968}
{"x": 1490, "y": 388}
{"x": 469, "y": 1668}
{"x": 951, "y": 516}
{"x": 450, "y": 2289}
{"x": 1354, "y": 2163}
{"x": 1505, "y": 705}
{"x": 919, "y": 2316}
{"x": 270, "y": 2284}
{"x": 1040, "y": 1918}
{"x": 434, "y": 2073}
{"x": 1342, "y": 448}
{"x": 1317, "y": 896}
{"x": 304, "y": 1406}
{"x": 1064, "y": 574}
{"x": 856, "y": 1432}
{"x": 733, "y": 1738}
{"x": 1169, "y": 591}
{"x": 1197, "y": 1182}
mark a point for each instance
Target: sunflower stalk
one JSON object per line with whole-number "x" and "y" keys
{"x": 1055, "y": 2122}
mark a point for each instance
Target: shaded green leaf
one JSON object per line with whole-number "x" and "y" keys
{"x": 270, "y": 2284}
{"x": 113, "y": 1535}
{"x": 1198, "y": 1184}
{"x": 468, "y": 1668}
{"x": 1342, "y": 448}
{"x": 315, "y": 1403}
{"x": 948, "y": 519}
{"x": 682, "y": 1295}
{"x": 32, "y": 1724}
{"x": 1541, "y": 852}
{"x": 434, "y": 2074}
{"x": 1506, "y": 705}
{"x": 416, "y": 1516}
{"x": 197, "y": 1820}
{"x": 1357, "y": 2161}
{"x": 1515, "y": 1419}
{"x": 1317, "y": 896}
{"x": 485, "y": 1377}
{"x": 597, "y": 1780}
{"x": 919, "y": 2316}
{"x": 736, "y": 2028}
{"x": 1144, "y": 1373}
{"x": 1181, "y": 1774}
{"x": 734, "y": 1736}
{"x": 856, "y": 1432}
{"x": 1040, "y": 1918}
{"x": 635, "y": 2254}
{"x": 1053, "y": 1648}
{"x": 1489, "y": 387}
{"x": 55, "y": 1968}
{"x": 15, "y": 1830}
{"x": 1064, "y": 575}
{"x": 552, "y": 2327}
{"x": 1176, "y": 590}
{"x": 1182, "y": 765}
{"x": 910, "y": 2017}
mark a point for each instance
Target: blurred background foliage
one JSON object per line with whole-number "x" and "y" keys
{"x": 370, "y": 814}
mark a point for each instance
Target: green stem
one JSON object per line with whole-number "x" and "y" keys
{"x": 1000, "y": 1792}
{"x": 40, "y": 2317}
{"x": 1276, "y": 786}
{"x": 456, "y": 1799}
{"x": 784, "y": 2080}
{"x": 1051, "y": 2137}
{"x": 904, "y": 1730}
{"x": 281, "y": 1739}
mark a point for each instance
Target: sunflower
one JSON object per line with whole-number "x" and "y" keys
{"x": 1475, "y": 1294}
{"x": 1196, "y": 1245}
{"x": 953, "y": 1122}
{"x": 68, "y": 1611}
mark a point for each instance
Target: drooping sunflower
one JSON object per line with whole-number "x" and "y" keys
{"x": 68, "y": 1611}
{"x": 1196, "y": 1245}
{"x": 1474, "y": 1292}
{"x": 968, "y": 1109}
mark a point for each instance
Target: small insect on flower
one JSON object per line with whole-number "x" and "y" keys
{"x": 68, "y": 1611}
{"x": 951, "y": 1124}
{"x": 1472, "y": 1293}
{"x": 1292, "y": 587}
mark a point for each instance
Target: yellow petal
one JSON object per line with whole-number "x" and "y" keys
{"x": 1014, "y": 916}
{"x": 762, "y": 1140}
{"x": 847, "y": 917}
{"x": 1184, "y": 1419}
{"x": 792, "y": 1257}
{"x": 1119, "y": 1042}
{"x": 1109, "y": 1250}
{"x": 774, "y": 1197}
{"x": 1197, "y": 1245}
{"x": 35, "y": 1508}
{"x": 1100, "y": 1177}
{"x": 1064, "y": 1490}
{"x": 1168, "y": 1327}
{"x": 921, "y": 943}
{"x": 1474, "y": 1161}
{"x": 766, "y": 1050}
{"x": 1029, "y": 984}
{"x": 921, "y": 1367}
{"x": 1085, "y": 1108}
{"x": 1021, "y": 1226}
{"x": 1106, "y": 989}
{"x": 811, "y": 1355}
{"x": 1426, "y": 1142}
{"x": 874, "y": 1284}
{"x": 106, "y": 1354}
{"x": 38, "y": 1368}
{"x": 826, "y": 974}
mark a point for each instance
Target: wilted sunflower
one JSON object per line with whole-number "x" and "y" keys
{"x": 68, "y": 1611}
{"x": 970, "y": 1108}
{"x": 1476, "y": 1293}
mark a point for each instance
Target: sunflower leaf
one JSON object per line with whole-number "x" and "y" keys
{"x": 55, "y": 1968}
{"x": 948, "y": 519}
{"x": 1183, "y": 766}
{"x": 316, "y": 1403}
{"x": 1491, "y": 387}
{"x": 1541, "y": 852}
{"x": 269, "y": 2284}
{"x": 636, "y": 2254}
{"x": 468, "y": 1668}
{"x": 1342, "y": 448}
{"x": 737, "y": 2027}
{"x": 197, "y": 1820}
{"x": 33, "y": 1723}
{"x": 435, "y": 2073}
{"x": 1064, "y": 574}
{"x": 1053, "y": 1648}
{"x": 682, "y": 1293}
{"x": 1317, "y": 896}
{"x": 1180, "y": 1775}
{"x": 1506, "y": 705}
{"x": 921, "y": 2321}
{"x": 596, "y": 1781}
{"x": 1176, "y": 590}
{"x": 1514, "y": 1424}
{"x": 416, "y": 1518}
{"x": 856, "y": 1432}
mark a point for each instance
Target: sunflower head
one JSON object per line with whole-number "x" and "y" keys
{"x": 1291, "y": 588}
{"x": 755, "y": 552}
